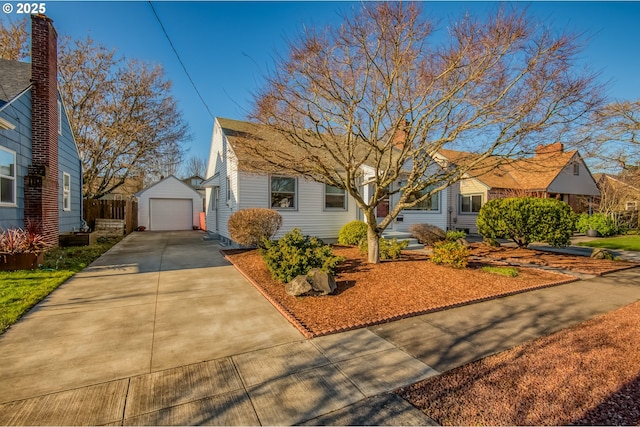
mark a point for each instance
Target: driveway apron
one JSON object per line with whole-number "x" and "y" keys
{"x": 153, "y": 302}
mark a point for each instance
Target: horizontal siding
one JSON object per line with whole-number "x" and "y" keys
{"x": 310, "y": 216}
{"x": 472, "y": 186}
{"x": 69, "y": 162}
{"x": 18, "y": 140}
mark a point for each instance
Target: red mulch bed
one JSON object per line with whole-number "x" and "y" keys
{"x": 369, "y": 294}
{"x": 588, "y": 374}
{"x": 580, "y": 264}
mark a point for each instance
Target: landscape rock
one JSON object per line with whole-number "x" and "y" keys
{"x": 299, "y": 286}
{"x": 600, "y": 253}
{"x": 322, "y": 282}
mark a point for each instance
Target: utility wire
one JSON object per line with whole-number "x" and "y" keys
{"x": 180, "y": 60}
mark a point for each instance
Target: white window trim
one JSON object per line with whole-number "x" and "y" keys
{"x": 66, "y": 192}
{"x": 331, "y": 209}
{"x": 295, "y": 194}
{"x": 13, "y": 178}
{"x": 59, "y": 117}
{"x": 460, "y": 212}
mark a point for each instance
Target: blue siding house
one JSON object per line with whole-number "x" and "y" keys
{"x": 40, "y": 167}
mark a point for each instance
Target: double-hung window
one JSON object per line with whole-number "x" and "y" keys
{"x": 470, "y": 203}
{"x": 334, "y": 198}
{"x": 66, "y": 191}
{"x": 7, "y": 177}
{"x": 283, "y": 192}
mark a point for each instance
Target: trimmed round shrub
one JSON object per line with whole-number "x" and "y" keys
{"x": 527, "y": 219}
{"x": 603, "y": 224}
{"x": 453, "y": 254}
{"x": 352, "y": 233}
{"x": 250, "y": 227}
{"x": 295, "y": 254}
{"x": 427, "y": 234}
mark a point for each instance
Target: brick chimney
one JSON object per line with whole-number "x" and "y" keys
{"x": 41, "y": 183}
{"x": 557, "y": 147}
{"x": 400, "y": 135}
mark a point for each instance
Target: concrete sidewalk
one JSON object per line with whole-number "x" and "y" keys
{"x": 162, "y": 331}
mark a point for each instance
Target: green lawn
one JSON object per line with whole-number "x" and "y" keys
{"x": 626, "y": 243}
{"x": 21, "y": 290}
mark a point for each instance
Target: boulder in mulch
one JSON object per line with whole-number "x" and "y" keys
{"x": 600, "y": 253}
{"x": 299, "y": 286}
{"x": 322, "y": 282}
{"x": 315, "y": 282}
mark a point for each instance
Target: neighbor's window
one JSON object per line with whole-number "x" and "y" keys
{"x": 66, "y": 191}
{"x": 7, "y": 177}
{"x": 431, "y": 203}
{"x": 334, "y": 198}
{"x": 576, "y": 168}
{"x": 470, "y": 203}
{"x": 283, "y": 192}
{"x": 228, "y": 189}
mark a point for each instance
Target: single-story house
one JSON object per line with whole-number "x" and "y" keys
{"x": 169, "y": 205}
{"x": 40, "y": 167}
{"x": 551, "y": 173}
{"x": 317, "y": 209}
{"x": 617, "y": 193}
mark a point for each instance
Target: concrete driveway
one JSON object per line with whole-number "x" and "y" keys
{"x": 155, "y": 301}
{"x": 161, "y": 330}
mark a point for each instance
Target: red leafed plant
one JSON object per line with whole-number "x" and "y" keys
{"x": 18, "y": 240}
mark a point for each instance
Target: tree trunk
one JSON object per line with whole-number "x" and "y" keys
{"x": 373, "y": 243}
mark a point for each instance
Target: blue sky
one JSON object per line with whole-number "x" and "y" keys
{"x": 228, "y": 46}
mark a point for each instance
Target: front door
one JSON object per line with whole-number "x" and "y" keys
{"x": 382, "y": 210}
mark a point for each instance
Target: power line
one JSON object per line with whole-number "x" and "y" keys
{"x": 180, "y": 60}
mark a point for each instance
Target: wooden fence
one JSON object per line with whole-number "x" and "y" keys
{"x": 126, "y": 210}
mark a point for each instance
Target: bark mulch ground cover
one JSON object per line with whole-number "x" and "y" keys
{"x": 370, "y": 294}
{"x": 580, "y": 264}
{"x": 593, "y": 379}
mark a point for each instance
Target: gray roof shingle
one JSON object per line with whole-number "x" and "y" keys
{"x": 15, "y": 77}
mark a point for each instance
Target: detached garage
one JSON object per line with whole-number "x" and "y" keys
{"x": 169, "y": 205}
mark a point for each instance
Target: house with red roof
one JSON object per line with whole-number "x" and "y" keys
{"x": 551, "y": 172}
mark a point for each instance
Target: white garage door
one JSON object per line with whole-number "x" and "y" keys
{"x": 170, "y": 214}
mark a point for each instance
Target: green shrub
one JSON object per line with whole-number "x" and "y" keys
{"x": 352, "y": 233}
{"x": 527, "y": 219}
{"x": 503, "y": 271}
{"x": 389, "y": 249}
{"x": 450, "y": 253}
{"x": 602, "y": 223}
{"x": 427, "y": 234}
{"x": 296, "y": 254}
{"x": 249, "y": 227}
{"x": 453, "y": 235}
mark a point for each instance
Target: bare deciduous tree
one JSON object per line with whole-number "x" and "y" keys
{"x": 195, "y": 166}
{"x": 125, "y": 121}
{"x": 614, "y": 134}
{"x": 14, "y": 40}
{"x": 366, "y": 106}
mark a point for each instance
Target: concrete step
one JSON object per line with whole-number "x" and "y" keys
{"x": 401, "y": 235}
